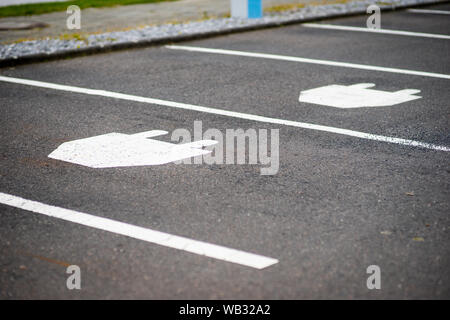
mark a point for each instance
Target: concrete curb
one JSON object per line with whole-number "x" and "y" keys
{"x": 43, "y": 57}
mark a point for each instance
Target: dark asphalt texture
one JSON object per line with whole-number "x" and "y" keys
{"x": 337, "y": 205}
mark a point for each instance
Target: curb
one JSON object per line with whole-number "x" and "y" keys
{"x": 44, "y": 57}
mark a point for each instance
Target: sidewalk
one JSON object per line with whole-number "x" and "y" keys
{"x": 5, "y": 3}
{"x": 167, "y": 22}
{"x": 97, "y": 20}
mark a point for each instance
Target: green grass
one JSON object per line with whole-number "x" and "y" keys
{"x": 40, "y": 8}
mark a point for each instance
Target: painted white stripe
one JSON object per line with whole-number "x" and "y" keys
{"x": 132, "y": 231}
{"x": 384, "y": 31}
{"x": 226, "y": 113}
{"x": 429, "y": 11}
{"x": 307, "y": 60}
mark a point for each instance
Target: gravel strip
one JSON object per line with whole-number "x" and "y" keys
{"x": 53, "y": 46}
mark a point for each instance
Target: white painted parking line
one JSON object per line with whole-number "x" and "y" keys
{"x": 307, "y": 60}
{"x": 149, "y": 235}
{"x": 240, "y": 115}
{"x": 383, "y": 31}
{"x": 429, "y": 11}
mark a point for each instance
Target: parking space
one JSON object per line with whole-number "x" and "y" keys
{"x": 355, "y": 187}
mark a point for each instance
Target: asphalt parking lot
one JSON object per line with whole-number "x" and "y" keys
{"x": 376, "y": 193}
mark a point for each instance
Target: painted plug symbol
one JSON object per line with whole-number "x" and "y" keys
{"x": 123, "y": 150}
{"x": 356, "y": 96}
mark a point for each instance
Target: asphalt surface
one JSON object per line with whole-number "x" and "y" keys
{"x": 337, "y": 205}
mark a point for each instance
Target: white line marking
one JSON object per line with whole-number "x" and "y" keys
{"x": 132, "y": 231}
{"x": 429, "y": 11}
{"x": 226, "y": 113}
{"x": 385, "y": 31}
{"x": 311, "y": 61}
